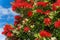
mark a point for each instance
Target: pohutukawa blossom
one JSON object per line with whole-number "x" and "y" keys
{"x": 22, "y": 5}
{"x": 13, "y": 8}
{"x": 16, "y": 23}
{"x": 39, "y": 11}
{"x": 58, "y": 1}
{"x": 17, "y": 17}
{"x": 30, "y": 14}
{"x": 9, "y": 34}
{"x": 26, "y": 5}
{"x": 44, "y": 33}
{"x": 16, "y": 4}
{"x": 7, "y": 30}
{"x": 44, "y": 4}
{"x": 8, "y": 27}
{"x": 55, "y": 6}
{"x": 47, "y": 12}
{"x": 4, "y": 32}
{"x": 57, "y": 24}
{"x": 26, "y": 29}
{"x": 47, "y": 21}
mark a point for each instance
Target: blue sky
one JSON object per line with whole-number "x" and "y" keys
{"x": 5, "y": 3}
{"x": 6, "y": 15}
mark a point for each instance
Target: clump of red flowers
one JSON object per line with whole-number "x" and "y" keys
{"x": 47, "y": 21}
{"x": 16, "y": 23}
{"x": 26, "y": 29}
{"x": 17, "y": 17}
{"x": 21, "y": 4}
{"x": 30, "y": 13}
{"x": 7, "y": 30}
{"x": 39, "y": 11}
{"x": 44, "y": 4}
{"x": 58, "y": 1}
{"x": 8, "y": 27}
{"x": 47, "y": 12}
{"x": 44, "y": 33}
{"x": 9, "y": 34}
{"x": 13, "y": 8}
{"x": 56, "y": 5}
{"x": 57, "y": 24}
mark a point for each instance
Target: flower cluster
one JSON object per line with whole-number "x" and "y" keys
{"x": 44, "y": 33}
{"x": 44, "y": 4}
{"x": 21, "y": 4}
{"x": 47, "y": 21}
{"x": 57, "y": 24}
{"x": 39, "y": 20}
{"x": 56, "y": 5}
{"x": 26, "y": 29}
{"x": 17, "y": 20}
{"x": 7, "y": 30}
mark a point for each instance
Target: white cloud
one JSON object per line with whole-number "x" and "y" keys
{"x": 6, "y": 11}
{"x": 2, "y": 37}
{"x": 1, "y": 30}
{"x": 3, "y": 10}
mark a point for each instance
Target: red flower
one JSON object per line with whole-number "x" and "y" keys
{"x": 55, "y": 5}
{"x": 39, "y": 11}
{"x": 17, "y": 17}
{"x": 7, "y": 29}
{"x": 44, "y": 33}
{"x": 54, "y": 8}
{"x": 13, "y": 8}
{"x": 44, "y": 4}
{"x": 9, "y": 34}
{"x": 26, "y": 29}
{"x": 30, "y": 13}
{"x": 47, "y": 21}
{"x": 22, "y": 4}
{"x": 16, "y": 23}
{"x": 58, "y": 1}
{"x": 57, "y": 24}
{"x": 47, "y": 12}
{"x": 27, "y": 5}
{"x": 4, "y": 32}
